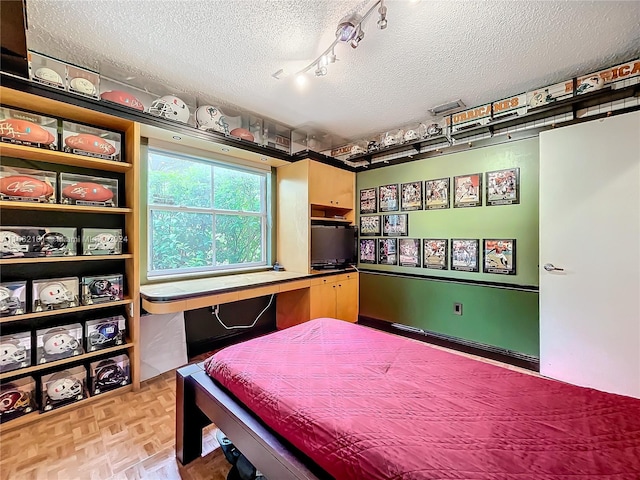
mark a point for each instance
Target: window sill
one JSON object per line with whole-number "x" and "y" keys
{"x": 209, "y": 274}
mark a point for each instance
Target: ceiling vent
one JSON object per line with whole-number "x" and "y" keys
{"x": 447, "y": 108}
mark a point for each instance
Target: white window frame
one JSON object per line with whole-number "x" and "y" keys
{"x": 185, "y": 272}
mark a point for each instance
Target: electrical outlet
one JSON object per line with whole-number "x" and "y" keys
{"x": 215, "y": 309}
{"x": 457, "y": 308}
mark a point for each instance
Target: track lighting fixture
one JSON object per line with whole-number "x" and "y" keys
{"x": 349, "y": 31}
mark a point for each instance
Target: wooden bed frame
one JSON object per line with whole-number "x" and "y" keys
{"x": 200, "y": 401}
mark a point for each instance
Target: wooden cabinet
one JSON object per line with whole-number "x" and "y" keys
{"x": 307, "y": 191}
{"x": 125, "y": 217}
{"x": 330, "y": 186}
{"x": 335, "y": 296}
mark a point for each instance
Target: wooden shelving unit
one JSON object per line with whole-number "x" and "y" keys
{"x": 74, "y": 258}
{"x": 129, "y": 171}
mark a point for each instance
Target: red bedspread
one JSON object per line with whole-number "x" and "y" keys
{"x": 365, "y": 404}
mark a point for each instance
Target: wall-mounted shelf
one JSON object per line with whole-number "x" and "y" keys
{"x": 61, "y": 158}
{"x": 58, "y": 207}
{"x": 64, "y": 361}
{"x": 75, "y": 258}
{"x": 63, "y": 311}
{"x": 412, "y": 148}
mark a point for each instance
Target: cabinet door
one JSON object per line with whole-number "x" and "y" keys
{"x": 330, "y": 186}
{"x": 347, "y": 298}
{"x": 323, "y": 299}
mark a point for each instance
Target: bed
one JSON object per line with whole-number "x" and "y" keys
{"x": 330, "y": 399}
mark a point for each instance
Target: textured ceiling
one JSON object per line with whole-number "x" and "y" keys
{"x": 225, "y": 51}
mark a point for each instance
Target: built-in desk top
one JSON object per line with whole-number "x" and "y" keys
{"x": 183, "y": 289}
{"x": 182, "y": 295}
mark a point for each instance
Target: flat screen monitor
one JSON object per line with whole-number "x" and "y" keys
{"x": 332, "y": 246}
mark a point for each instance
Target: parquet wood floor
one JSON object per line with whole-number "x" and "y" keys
{"x": 129, "y": 436}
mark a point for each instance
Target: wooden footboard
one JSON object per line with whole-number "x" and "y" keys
{"x": 201, "y": 401}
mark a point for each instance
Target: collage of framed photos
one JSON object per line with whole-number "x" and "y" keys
{"x": 458, "y": 254}
{"x": 501, "y": 187}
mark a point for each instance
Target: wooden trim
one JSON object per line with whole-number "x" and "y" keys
{"x": 77, "y": 358}
{"x": 63, "y": 311}
{"x": 61, "y": 158}
{"x": 9, "y": 205}
{"x": 74, "y": 258}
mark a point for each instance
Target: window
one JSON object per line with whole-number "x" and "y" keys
{"x": 204, "y": 216}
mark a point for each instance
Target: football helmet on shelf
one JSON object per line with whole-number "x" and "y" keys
{"x": 58, "y": 340}
{"x": 171, "y": 107}
{"x": 54, "y": 293}
{"x": 13, "y": 399}
{"x": 10, "y": 243}
{"x": 102, "y": 242}
{"x": 211, "y": 119}
{"x": 11, "y": 352}
{"x": 54, "y": 242}
{"x": 109, "y": 374}
{"x": 104, "y": 333}
{"x": 63, "y": 386}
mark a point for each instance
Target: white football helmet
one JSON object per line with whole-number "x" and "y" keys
{"x": 64, "y": 388}
{"x": 410, "y": 135}
{"x": 11, "y": 352}
{"x": 10, "y": 243}
{"x": 211, "y": 118}
{"x": 58, "y": 341}
{"x": 389, "y": 140}
{"x": 170, "y": 107}
{"x": 54, "y": 293}
{"x": 103, "y": 241}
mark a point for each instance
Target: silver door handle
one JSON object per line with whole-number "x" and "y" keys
{"x": 549, "y": 267}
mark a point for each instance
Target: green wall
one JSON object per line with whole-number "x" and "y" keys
{"x": 502, "y": 317}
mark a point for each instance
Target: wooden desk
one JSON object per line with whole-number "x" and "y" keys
{"x": 298, "y": 293}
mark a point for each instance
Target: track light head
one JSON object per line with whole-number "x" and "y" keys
{"x": 321, "y": 71}
{"x": 356, "y": 41}
{"x": 348, "y": 27}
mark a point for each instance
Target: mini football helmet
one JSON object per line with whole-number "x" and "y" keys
{"x": 104, "y": 333}
{"x": 54, "y": 242}
{"x": 62, "y": 386}
{"x": 10, "y": 243}
{"x": 212, "y": 119}
{"x": 57, "y": 341}
{"x": 389, "y": 140}
{"x": 48, "y": 75}
{"x": 11, "y": 352}
{"x": 103, "y": 241}
{"x": 590, "y": 84}
{"x": 82, "y": 85}
{"x": 109, "y": 374}
{"x": 357, "y": 150}
{"x": 8, "y": 303}
{"x": 372, "y": 146}
{"x": 13, "y": 399}
{"x": 434, "y": 129}
{"x": 170, "y": 107}
{"x": 100, "y": 287}
{"x": 54, "y": 293}
{"x": 410, "y": 135}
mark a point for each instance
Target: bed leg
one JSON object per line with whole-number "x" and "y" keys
{"x": 189, "y": 419}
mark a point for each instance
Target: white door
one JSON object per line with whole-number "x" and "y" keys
{"x": 590, "y": 228}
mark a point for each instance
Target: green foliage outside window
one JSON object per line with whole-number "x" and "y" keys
{"x": 209, "y": 227}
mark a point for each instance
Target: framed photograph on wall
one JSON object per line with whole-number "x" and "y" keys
{"x": 499, "y": 256}
{"x": 388, "y": 198}
{"x": 503, "y": 186}
{"x": 409, "y": 249}
{"x": 436, "y": 194}
{"x": 464, "y": 255}
{"x": 370, "y": 225}
{"x": 396, "y": 225}
{"x": 367, "y": 250}
{"x": 388, "y": 251}
{"x": 435, "y": 253}
{"x": 411, "y": 196}
{"x": 369, "y": 200}
{"x": 467, "y": 190}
